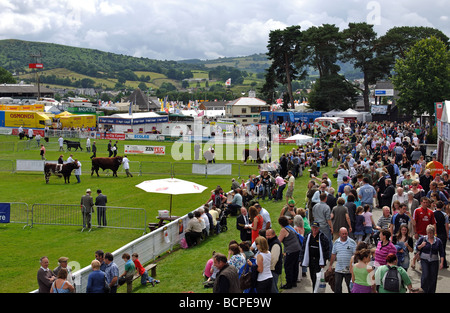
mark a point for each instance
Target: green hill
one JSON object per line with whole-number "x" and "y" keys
{"x": 80, "y": 67}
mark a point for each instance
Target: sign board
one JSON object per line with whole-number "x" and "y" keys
{"x": 36, "y": 65}
{"x": 156, "y": 150}
{"x": 5, "y": 213}
{"x": 435, "y": 167}
{"x": 384, "y": 92}
{"x": 30, "y": 165}
{"x": 211, "y": 169}
{"x": 378, "y": 109}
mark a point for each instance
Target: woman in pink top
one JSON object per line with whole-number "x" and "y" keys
{"x": 368, "y": 223}
{"x": 384, "y": 247}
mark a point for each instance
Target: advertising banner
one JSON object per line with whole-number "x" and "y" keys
{"x": 156, "y": 150}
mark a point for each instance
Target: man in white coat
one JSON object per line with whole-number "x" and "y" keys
{"x": 126, "y": 165}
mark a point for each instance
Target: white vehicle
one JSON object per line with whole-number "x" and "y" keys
{"x": 330, "y": 126}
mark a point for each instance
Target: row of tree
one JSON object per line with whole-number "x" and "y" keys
{"x": 293, "y": 51}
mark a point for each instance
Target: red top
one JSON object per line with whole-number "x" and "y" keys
{"x": 139, "y": 267}
{"x": 423, "y": 218}
{"x": 259, "y": 224}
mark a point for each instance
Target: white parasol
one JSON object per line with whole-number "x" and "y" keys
{"x": 171, "y": 186}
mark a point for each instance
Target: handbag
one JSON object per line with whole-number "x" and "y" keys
{"x": 245, "y": 281}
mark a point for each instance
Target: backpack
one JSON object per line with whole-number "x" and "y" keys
{"x": 217, "y": 201}
{"x": 392, "y": 280}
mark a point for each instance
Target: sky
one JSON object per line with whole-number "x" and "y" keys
{"x": 199, "y": 29}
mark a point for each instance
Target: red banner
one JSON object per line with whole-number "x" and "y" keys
{"x": 111, "y": 136}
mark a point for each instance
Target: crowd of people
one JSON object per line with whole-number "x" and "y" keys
{"x": 104, "y": 278}
{"x": 334, "y": 236}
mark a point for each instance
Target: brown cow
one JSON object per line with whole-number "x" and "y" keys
{"x": 106, "y": 163}
{"x": 59, "y": 170}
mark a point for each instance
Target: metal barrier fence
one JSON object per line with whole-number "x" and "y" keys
{"x": 71, "y": 215}
{"x": 56, "y": 214}
{"x": 20, "y": 213}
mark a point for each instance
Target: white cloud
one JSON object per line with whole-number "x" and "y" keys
{"x": 175, "y": 29}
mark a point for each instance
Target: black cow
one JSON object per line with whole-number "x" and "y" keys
{"x": 59, "y": 170}
{"x": 72, "y": 144}
{"x": 254, "y": 155}
{"x": 106, "y": 163}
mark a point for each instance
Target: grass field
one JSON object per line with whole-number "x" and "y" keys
{"x": 179, "y": 271}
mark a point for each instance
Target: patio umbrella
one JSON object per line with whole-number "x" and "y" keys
{"x": 171, "y": 186}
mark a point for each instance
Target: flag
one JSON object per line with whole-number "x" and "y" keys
{"x": 228, "y": 82}
{"x": 129, "y": 109}
{"x": 201, "y": 113}
{"x": 438, "y": 110}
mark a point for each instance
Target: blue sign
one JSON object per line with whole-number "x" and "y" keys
{"x": 5, "y": 212}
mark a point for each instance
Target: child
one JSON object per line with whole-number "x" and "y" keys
{"x": 145, "y": 278}
{"x": 359, "y": 224}
{"x": 368, "y": 225}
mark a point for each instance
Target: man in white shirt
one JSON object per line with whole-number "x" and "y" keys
{"x": 265, "y": 215}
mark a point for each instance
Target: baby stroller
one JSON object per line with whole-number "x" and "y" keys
{"x": 222, "y": 226}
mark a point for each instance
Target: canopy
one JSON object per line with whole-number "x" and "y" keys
{"x": 301, "y": 139}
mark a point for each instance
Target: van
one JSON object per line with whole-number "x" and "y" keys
{"x": 330, "y": 126}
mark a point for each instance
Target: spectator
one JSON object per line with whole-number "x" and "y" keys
{"x": 227, "y": 279}
{"x": 96, "y": 279}
{"x": 342, "y": 251}
{"x": 45, "y": 276}
{"x": 391, "y": 261}
{"x": 112, "y": 272}
{"x": 243, "y": 225}
{"x": 128, "y": 273}
{"x": 292, "y": 251}
{"x": 322, "y": 215}
{"x": 276, "y": 252}
{"x": 100, "y": 256}
{"x": 235, "y": 257}
{"x": 61, "y": 285}
{"x": 145, "y": 277}
{"x": 431, "y": 259}
{"x": 194, "y": 229}
{"x": 340, "y": 218}
{"x": 315, "y": 251}
{"x": 62, "y": 261}
{"x": 384, "y": 248}
{"x": 263, "y": 262}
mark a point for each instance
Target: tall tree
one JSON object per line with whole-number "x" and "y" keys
{"x": 331, "y": 90}
{"x": 422, "y": 77}
{"x": 361, "y": 48}
{"x": 398, "y": 40}
{"x": 287, "y": 61}
{"x": 6, "y": 77}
